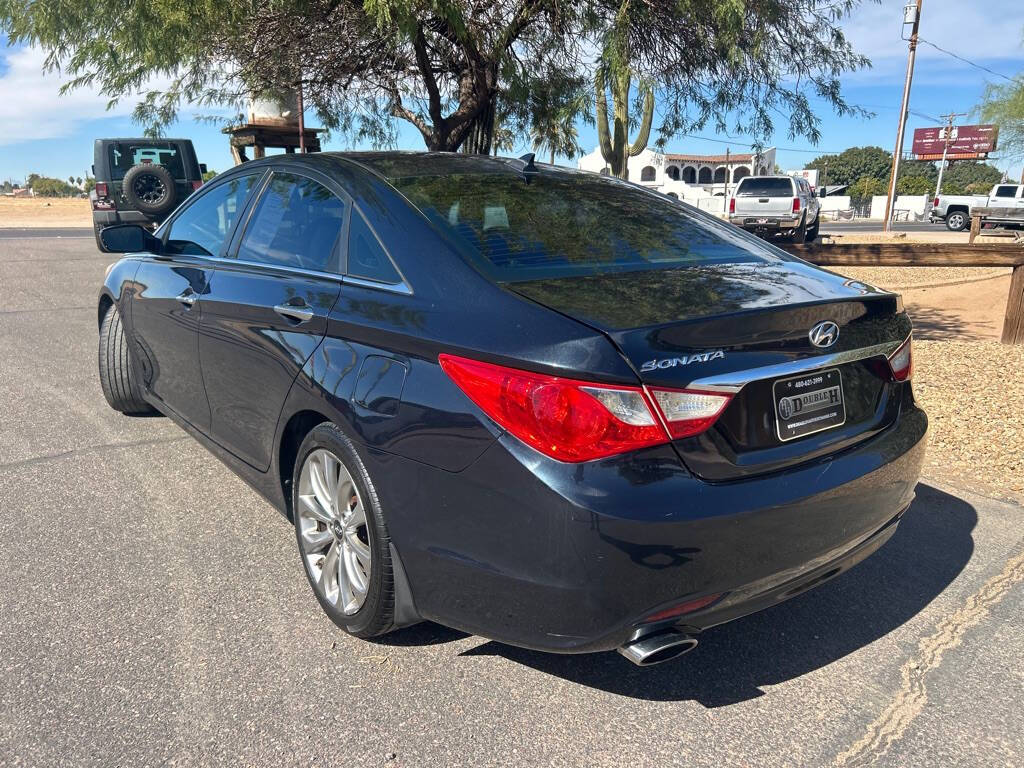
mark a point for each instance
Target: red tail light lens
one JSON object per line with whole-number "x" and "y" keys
{"x": 196, "y": 185}
{"x": 565, "y": 419}
{"x": 935, "y": 203}
{"x": 732, "y": 205}
{"x": 682, "y": 608}
{"x": 574, "y": 421}
{"x": 101, "y": 189}
{"x": 796, "y": 205}
{"x": 901, "y": 362}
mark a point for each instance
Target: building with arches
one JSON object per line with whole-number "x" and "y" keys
{"x": 667, "y": 171}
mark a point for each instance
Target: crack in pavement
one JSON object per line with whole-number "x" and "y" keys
{"x": 88, "y": 449}
{"x": 913, "y": 694}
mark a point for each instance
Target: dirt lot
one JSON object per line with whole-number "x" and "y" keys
{"x": 45, "y": 212}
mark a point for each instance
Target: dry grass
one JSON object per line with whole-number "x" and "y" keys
{"x": 45, "y": 212}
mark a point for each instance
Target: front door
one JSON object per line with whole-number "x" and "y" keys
{"x": 169, "y": 300}
{"x": 264, "y": 314}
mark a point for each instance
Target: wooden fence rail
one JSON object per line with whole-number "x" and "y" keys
{"x": 931, "y": 255}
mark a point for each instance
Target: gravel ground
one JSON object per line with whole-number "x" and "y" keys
{"x": 974, "y": 395}
{"x": 900, "y": 278}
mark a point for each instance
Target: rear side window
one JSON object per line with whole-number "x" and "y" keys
{"x": 764, "y": 186}
{"x": 366, "y": 256}
{"x": 202, "y": 229}
{"x": 1006, "y": 191}
{"x": 296, "y": 224}
{"x": 563, "y": 224}
{"x": 123, "y": 155}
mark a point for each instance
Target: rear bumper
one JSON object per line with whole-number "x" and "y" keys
{"x": 101, "y": 219}
{"x": 770, "y": 223}
{"x": 571, "y": 558}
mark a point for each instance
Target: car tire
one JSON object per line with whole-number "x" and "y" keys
{"x": 117, "y": 379}
{"x": 351, "y": 525}
{"x": 96, "y": 229}
{"x": 957, "y": 221}
{"x": 800, "y": 233}
{"x": 149, "y": 189}
{"x": 812, "y": 233}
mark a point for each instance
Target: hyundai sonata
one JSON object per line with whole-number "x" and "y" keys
{"x": 541, "y": 405}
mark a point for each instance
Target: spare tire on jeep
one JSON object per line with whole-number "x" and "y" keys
{"x": 149, "y": 188}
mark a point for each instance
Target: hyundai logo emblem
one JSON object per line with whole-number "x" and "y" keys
{"x": 824, "y": 334}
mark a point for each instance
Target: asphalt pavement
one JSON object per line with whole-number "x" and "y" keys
{"x": 154, "y": 611}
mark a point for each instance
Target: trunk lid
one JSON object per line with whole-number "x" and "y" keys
{"x": 759, "y": 197}
{"x": 741, "y": 328}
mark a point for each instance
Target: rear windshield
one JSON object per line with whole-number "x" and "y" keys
{"x": 570, "y": 224}
{"x": 754, "y": 186}
{"x": 123, "y": 155}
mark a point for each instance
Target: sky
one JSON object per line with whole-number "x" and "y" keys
{"x": 43, "y": 132}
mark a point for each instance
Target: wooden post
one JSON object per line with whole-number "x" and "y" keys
{"x": 975, "y": 227}
{"x": 1013, "y": 324}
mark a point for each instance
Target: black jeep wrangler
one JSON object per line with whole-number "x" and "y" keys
{"x": 140, "y": 181}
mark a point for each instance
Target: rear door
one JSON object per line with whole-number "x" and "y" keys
{"x": 764, "y": 197}
{"x": 168, "y": 303}
{"x": 266, "y": 308}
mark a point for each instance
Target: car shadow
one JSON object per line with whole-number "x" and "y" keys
{"x": 735, "y": 661}
{"x": 935, "y": 323}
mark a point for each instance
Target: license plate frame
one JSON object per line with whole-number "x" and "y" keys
{"x": 809, "y": 404}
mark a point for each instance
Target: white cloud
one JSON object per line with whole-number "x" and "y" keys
{"x": 988, "y": 33}
{"x": 33, "y": 107}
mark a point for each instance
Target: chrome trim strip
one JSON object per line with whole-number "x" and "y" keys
{"x": 735, "y": 381}
{"x": 401, "y": 288}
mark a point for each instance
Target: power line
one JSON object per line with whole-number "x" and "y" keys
{"x": 752, "y": 146}
{"x": 966, "y": 61}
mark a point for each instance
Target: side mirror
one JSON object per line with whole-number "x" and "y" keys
{"x": 129, "y": 238}
{"x": 202, "y": 167}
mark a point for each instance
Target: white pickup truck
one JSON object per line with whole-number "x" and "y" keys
{"x": 955, "y": 210}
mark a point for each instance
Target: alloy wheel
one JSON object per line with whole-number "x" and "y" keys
{"x": 149, "y": 188}
{"x": 333, "y": 534}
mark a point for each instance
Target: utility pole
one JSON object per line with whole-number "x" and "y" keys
{"x": 911, "y": 15}
{"x": 945, "y": 147}
{"x": 302, "y": 121}
{"x": 725, "y": 198}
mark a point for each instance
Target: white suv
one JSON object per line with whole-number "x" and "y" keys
{"x": 776, "y": 205}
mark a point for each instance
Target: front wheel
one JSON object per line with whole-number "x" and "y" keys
{"x": 342, "y": 537}
{"x": 117, "y": 379}
{"x": 956, "y": 221}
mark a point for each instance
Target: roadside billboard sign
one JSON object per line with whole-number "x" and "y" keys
{"x": 965, "y": 141}
{"x": 810, "y": 175}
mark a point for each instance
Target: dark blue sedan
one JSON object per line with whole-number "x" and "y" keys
{"x": 536, "y": 404}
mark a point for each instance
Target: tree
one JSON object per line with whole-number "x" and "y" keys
{"x": 914, "y": 185}
{"x": 46, "y": 187}
{"x": 964, "y": 173}
{"x": 866, "y": 187}
{"x": 207, "y": 175}
{"x": 90, "y": 184}
{"x": 78, "y": 181}
{"x": 855, "y": 163}
{"x": 557, "y": 135}
{"x": 445, "y": 66}
{"x": 1003, "y": 104}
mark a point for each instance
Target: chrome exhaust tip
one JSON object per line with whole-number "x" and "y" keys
{"x": 658, "y": 647}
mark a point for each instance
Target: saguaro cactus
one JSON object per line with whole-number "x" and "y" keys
{"x": 615, "y": 146}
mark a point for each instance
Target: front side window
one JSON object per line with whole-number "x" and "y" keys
{"x": 203, "y": 228}
{"x": 570, "y": 224}
{"x": 296, "y": 224}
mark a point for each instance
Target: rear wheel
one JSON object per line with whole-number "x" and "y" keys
{"x": 117, "y": 378}
{"x": 812, "y": 233}
{"x": 956, "y": 221}
{"x": 800, "y": 233}
{"x": 342, "y": 537}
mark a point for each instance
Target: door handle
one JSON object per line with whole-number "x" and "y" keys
{"x": 300, "y": 314}
{"x": 188, "y": 297}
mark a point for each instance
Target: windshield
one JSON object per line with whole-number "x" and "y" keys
{"x": 559, "y": 225}
{"x": 753, "y": 186}
{"x": 123, "y": 155}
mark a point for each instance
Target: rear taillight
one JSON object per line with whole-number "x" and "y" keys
{"x": 935, "y": 203}
{"x": 732, "y": 205}
{"x": 796, "y": 205}
{"x": 572, "y": 420}
{"x": 196, "y": 185}
{"x": 101, "y": 189}
{"x": 689, "y": 412}
{"x": 901, "y": 362}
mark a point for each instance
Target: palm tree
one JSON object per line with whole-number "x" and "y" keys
{"x": 556, "y": 134}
